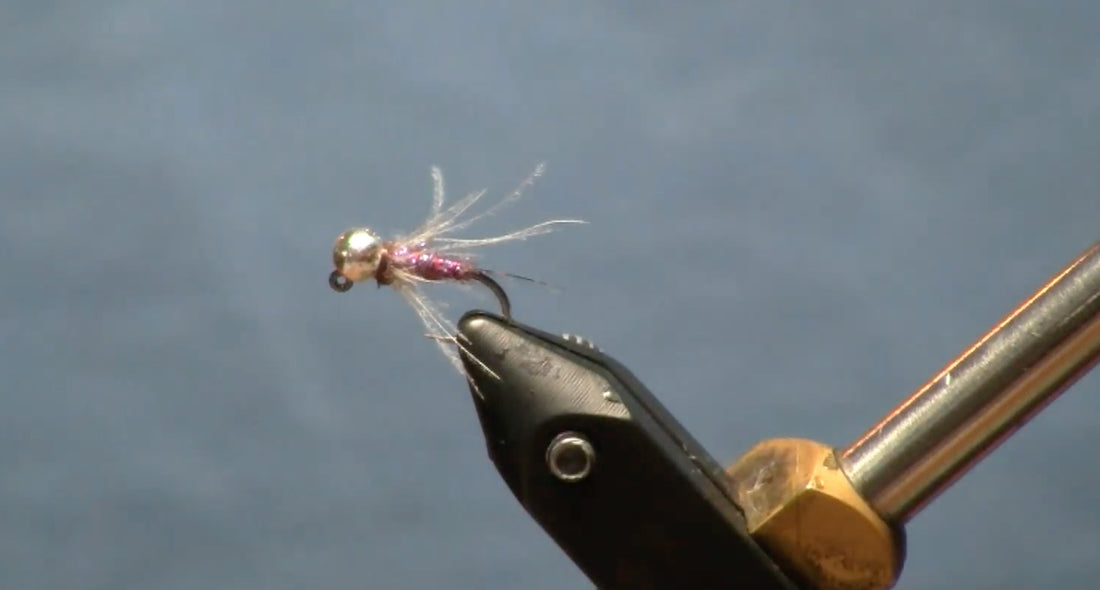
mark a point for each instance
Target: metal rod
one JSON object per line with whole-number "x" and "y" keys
{"x": 983, "y": 396}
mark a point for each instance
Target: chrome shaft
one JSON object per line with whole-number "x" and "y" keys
{"x": 980, "y": 398}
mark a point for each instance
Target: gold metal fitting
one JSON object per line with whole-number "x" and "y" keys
{"x": 802, "y": 509}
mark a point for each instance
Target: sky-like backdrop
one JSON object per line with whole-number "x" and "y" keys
{"x": 798, "y": 212}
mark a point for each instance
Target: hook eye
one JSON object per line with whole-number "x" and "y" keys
{"x": 339, "y": 282}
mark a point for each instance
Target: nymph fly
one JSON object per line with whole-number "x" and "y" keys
{"x": 432, "y": 254}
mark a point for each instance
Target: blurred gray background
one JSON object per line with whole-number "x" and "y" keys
{"x": 798, "y": 213}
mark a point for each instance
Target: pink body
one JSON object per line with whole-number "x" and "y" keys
{"x": 428, "y": 265}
